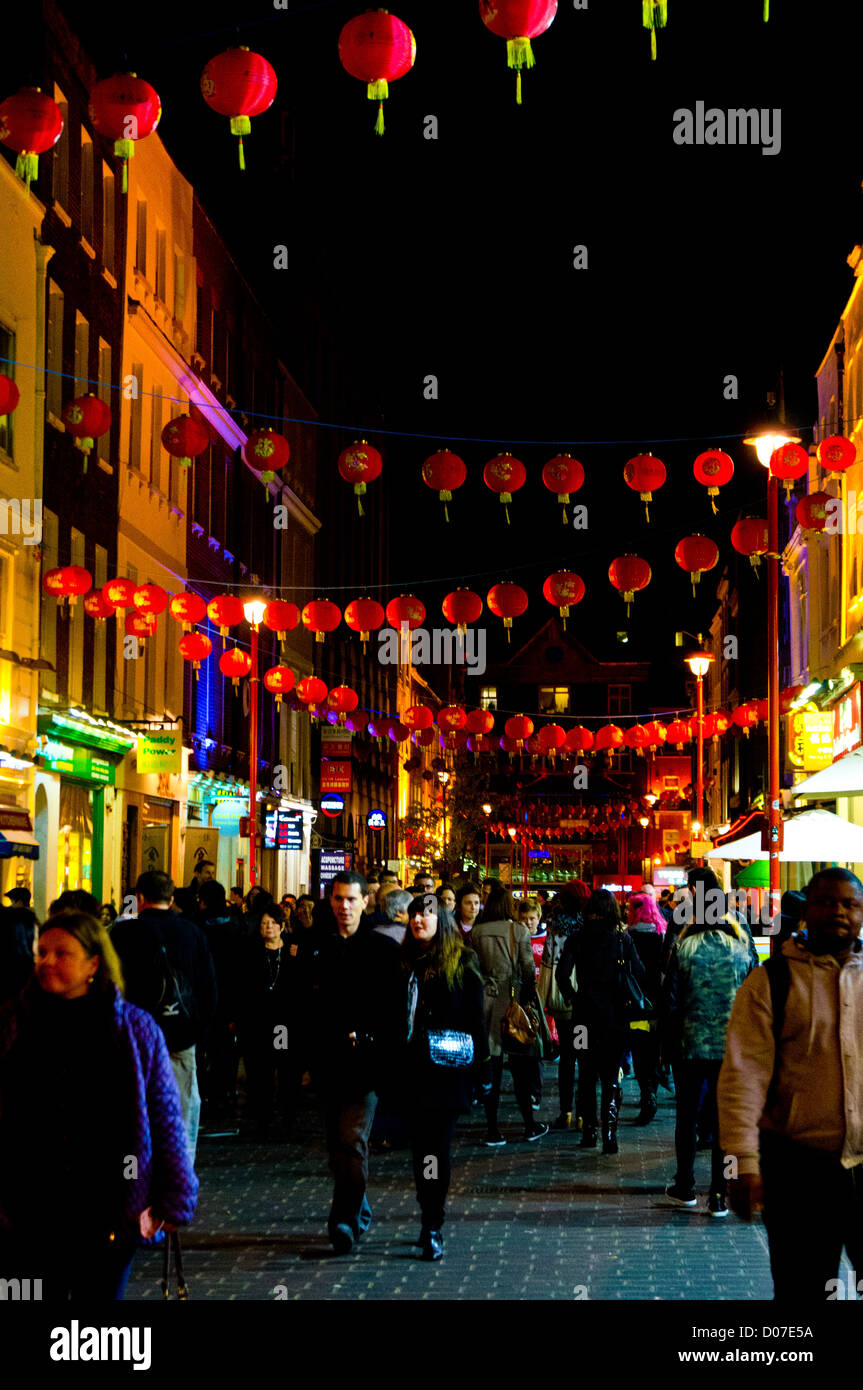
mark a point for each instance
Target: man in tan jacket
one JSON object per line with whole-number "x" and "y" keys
{"x": 791, "y": 1115}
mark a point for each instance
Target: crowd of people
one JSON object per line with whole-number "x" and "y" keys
{"x": 402, "y": 1009}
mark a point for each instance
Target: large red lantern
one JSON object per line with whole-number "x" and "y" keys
{"x": 321, "y": 616}
{"x": 267, "y": 452}
{"x": 280, "y": 617}
{"x": 461, "y": 607}
{"x": 746, "y": 716}
{"x": 505, "y": 475}
{"x": 479, "y": 721}
{"x": 518, "y": 727}
{"x": 678, "y": 732}
{"x": 507, "y": 601}
{"x": 696, "y": 554}
{"x": 125, "y": 108}
{"x": 360, "y": 464}
{"x": 417, "y": 717}
{"x": 195, "y": 647}
{"x": 563, "y": 589}
{"x": 518, "y": 21}
{"x": 225, "y": 611}
{"x": 342, "y": 700}
{"x": 364, "y": 615}
{"x": 714, "y": 469}
{"x": 357, "y": 722}
{"x": 811, "y": 511}
{"x": 30, "y": 124}
{"x": 140, "y": 625}
{"x": 377, "y": 48}
{"x": 150, "y": 598}
{"x": 72, "y": 581}
{"x": 788, "y": 462}
{"x": 185, "y": 438}
{"x": 628, "y": 573}
{"x": 749, "y": 537}
{"x": 424, "y": 738}
{"x": 836, "y": 455}
{"x": 645, "y": 475}
{"x": 445, "y": 472}
{"x": 610, "y": 736}
{"x": 235, "y": 663}
{"x": 97, "y": 606}
{"x": 311, "y": 690}
{"x": 450, "y": 718}
{"x": 279, "y": 680}
{"x": 722, "y": 720}
{"x": 187, "y": 609}
{"x": 657, "y": 734}
{"x": 637, "y": 737}
{"x": 239, "y": 84}
{"x": 562, "y": 475}
{"x": 398, "y": 732}
{"x": 9, "y": 395}
{"x": 579, "y": 740}
{"x": 120, "y": 593}
{"x": 654, "y": 15}
{"x": 407, "y": 608}
{"x": 551, "y": 737}
{"x": 86, "y": 418}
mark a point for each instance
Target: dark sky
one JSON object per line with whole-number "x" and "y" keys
{"x": 455, "y": 256}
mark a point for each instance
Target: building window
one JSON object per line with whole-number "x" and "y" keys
{"x": 82, "y": 354}
{"x": 107, "y": 218}
{"x": 60, "y": 176}
{"x": 554, "y": 699}
{"x": 161, "y": 265}
{"x": 7, "y": 367}
{"x": 155, "y": 434}
{"x": 136, "y": 417}
{"x": 141, "y": 239}
{"x": 488, "y": 697}
{"x": 179, "y": 286}
{"x": 620, "y": 699}
{"x": 104, "y": 393}
{"x": 87, "y": 181}
{"x": 54, "y": 350}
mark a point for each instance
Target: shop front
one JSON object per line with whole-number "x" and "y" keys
{"x": 152, "y": 806}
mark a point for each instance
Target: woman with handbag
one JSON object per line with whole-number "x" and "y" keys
{"x": 446, "y": 1054}
{"x": 512, "y": 1008}
{"x": 605, "y": 961}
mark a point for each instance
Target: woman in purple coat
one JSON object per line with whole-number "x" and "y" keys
{"x": 93, "y": 1151}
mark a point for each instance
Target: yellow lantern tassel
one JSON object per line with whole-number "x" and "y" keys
{"x": 518, "y": 88}
{"x": 27, "y": 167}
{"x": 766, "y": 10}
{"x": 653, "y": 45}
{"x": 379, "y": 123}
{"x": 445, "y": 512}
{"x": 519, "y": 53}
{"x": 646, "y": 511}
{"x": 713, "y": 505}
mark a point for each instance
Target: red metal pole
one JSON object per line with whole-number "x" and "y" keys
{"x": 486, "y": 849}
{"x": 254, "y": 681}
{"x": 774, "y": 818}
{"x": 699, "y": 775}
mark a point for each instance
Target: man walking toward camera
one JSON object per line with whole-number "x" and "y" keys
{"x": 791, "y": 1094}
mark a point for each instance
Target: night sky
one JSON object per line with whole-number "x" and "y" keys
{"x": 455, "y": 257}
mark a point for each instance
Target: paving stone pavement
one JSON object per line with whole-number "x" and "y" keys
{"x": 528, "y": 1221}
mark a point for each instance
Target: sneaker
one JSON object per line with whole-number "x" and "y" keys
{"x": 681, "y": 1197}
{"x": 717, "y": 1205}
{"x": 342, "y": 1240}
{"x": 494, "y": 1139}
{"x": 537, "y": 1132}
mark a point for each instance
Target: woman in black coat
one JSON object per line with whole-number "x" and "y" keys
{"x": 597, "y": 1010}
{"x": 263, "y": 1007}
{"x": 444, "y": 995}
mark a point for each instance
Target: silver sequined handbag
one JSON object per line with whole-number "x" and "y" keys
{"x": 449, "y": 1049}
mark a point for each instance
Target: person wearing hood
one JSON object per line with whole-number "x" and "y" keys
{"x": 563, "y": 917}
{"x": 791, "y": 1095}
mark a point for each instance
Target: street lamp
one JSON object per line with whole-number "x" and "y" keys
{"x": 765, "y": 442}
{"x": 443, "y": 778}
{"x": 699, "y": 664}
{"x": 486, "y": 809}
{"x": 254, "y": 611}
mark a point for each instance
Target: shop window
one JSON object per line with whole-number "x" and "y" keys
{"x": 75, "y": 857}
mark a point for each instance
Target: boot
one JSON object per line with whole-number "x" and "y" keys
{"x": 564, "y": 1120}
{"x": 648, "y": 1109}
{"x": 588, "y": 1136}
{"x": 432, "y": 1245}
{"x": 610, "y": 1112}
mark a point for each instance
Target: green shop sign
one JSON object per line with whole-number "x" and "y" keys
{"x": 77, "y": 762}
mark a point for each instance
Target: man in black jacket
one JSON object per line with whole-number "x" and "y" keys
{"x": 168, "y": 970}
{"x": 354, "y": 1016}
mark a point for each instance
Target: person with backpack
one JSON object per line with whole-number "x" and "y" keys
{"x": 791, "y": 1094}
{"x": 168, "y": 970}
{"x": 228, "y": 942}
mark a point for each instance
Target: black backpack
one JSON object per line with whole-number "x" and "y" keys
{"x": 175, "y": 1000}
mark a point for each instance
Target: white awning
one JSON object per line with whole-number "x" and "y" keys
{"x": 19, "y": 844}
{"x": 842, "y": 778}
{"x": 816, "y": 837}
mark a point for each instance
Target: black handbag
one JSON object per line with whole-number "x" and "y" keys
{"x": 634, "y": 1003}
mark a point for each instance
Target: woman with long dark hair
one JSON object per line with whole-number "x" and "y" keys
{"x": 564, "y": 918}
{"x": 646, "y": 926}
{"x": 446, "y": 1054}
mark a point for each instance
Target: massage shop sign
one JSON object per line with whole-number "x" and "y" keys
{"x": 161, "y": 751}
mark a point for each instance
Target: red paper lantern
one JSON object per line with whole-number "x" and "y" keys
{"x": 86, "y": 418}
{"x": 68, "y": 583}
{"x": 678, "y": 732}
{"x": 150, "y": 598}
{"x": 120, "y": 593}
{"x": 398, "y": 732}
{"x": 9, "y": 395}
{"x": 125, "y": 108}
{"x": 235, "y": 663}
{"x": 811, "y": 511}
{"x": 281, "y": 617}
{"x": 311, "y": 690}
{"x": 30, "y": 124}
{"x": 505, "y": 475}
{"x": 562, "y": 475}
{"x": 518, "y": 21}
{"x": 658, "y": 734}
{"x": 628, "y": 573}
{"x": 407, "y": 608}
{"x": 195, "y": 647}
{"x": 445, "y": 472}
{"x": 267, "y": 452}
{"x": 279, "y": 680}
{"x": 451, "y": 717}
{"x": 97, "y": 606}
{"x": 762, "y": 709}
{"x": 461, "y": 607}
{"x": 533, "y": 746}
{"x": 377, "y": 48}
{"x": 321, "y": 616}
{"x": 645, "y": 475}
{"x": 225, "y": 611}
{"x": 239, "y": 84}
{"x": 746, "y": 716}
{"x": 610, "y": 736}
{"x": 481, "y": 743}
{"x": 722, "y": 721}
{"x": 379, "y": 726}
{"x": 479, "y": 721}
{"x": 185, "y": 438}
{"x": 360, "y": 464}
{"x": 551, "y": 737}
{"x": 342, "y": 701}
{"x": 507, "y": 601}
{"x": 563, "y": 589}
{"x": 518, "y": 726}
{"x": 696, "y": 554}
{"x": 579, "y": 740}
{"x": 637, "y": 737}
{"x": 363, "y": 615}
{"x": 714, "y": 469}
{"x": 357, "y": 722}
{"x": 749, "y": 537}
{"x": 140, "y": 625}
{"x": 836, "y": 455}
{"x": 418, "y": 717}
{"x": 424, "y": 738}
{"x": 187, "y": 609}
{"x": 788, "y": 462}
{"x": 510, "y": 745}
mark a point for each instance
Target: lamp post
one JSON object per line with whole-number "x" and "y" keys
{"x": 443, "y": 778}
{"x": 254, "y": 611}
{"x": 699, "y": 665}
{"x": 486, "y": 808}
{"x": 766, "y": 442}
{"x": 644, "y": 822}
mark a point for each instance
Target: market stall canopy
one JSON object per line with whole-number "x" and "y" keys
{"x": 20, "y": 844}
{"x": 842, "y": 778}
{"x": 816, "y": 837}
